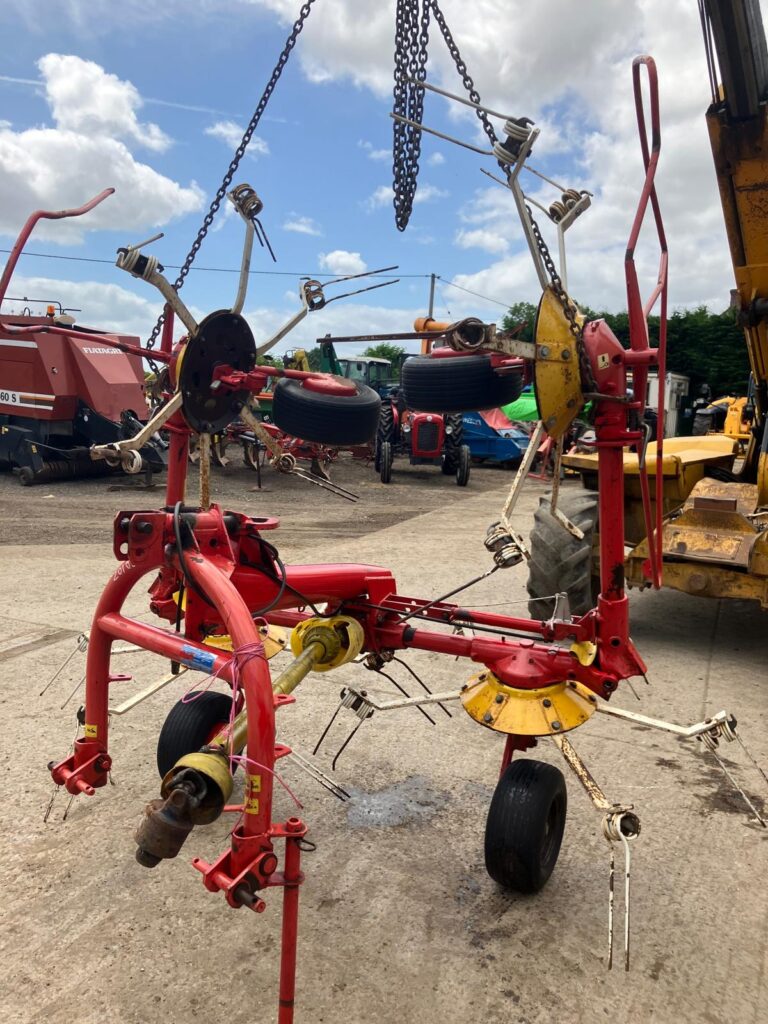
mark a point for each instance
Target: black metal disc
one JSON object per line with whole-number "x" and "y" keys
{"x": 222, "y": 339}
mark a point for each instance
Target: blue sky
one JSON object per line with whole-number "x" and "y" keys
{"x": 323, "y": 160}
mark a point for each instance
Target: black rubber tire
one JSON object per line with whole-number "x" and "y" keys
{"x": 189, "y": 726}
{"x": 559, "y": 563}
{"x": 326, "y": 419}
{"x": 525, "y": 825}
{"x": 384, "y": 432}
{"x": 464, "y": 465}
{"x": 702, "y": 424}
{"x": 458, "y": 384}
{"x": 385, "y": 462}
{"x": 26, "y": 476}
{"x": 452, "y": 444}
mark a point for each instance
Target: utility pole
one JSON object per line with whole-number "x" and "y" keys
{"x": 431, "y": 294}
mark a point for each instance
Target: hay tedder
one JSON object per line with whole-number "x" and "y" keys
{"x": 219, "y": 587}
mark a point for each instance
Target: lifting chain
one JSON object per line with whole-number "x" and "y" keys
{"x": 239, "y": 152}
{"x": 411, "y": 40}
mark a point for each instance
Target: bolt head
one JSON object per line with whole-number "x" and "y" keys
{"x": 556, "y": 726}
{"x": 547, "y": 702}
{"x": 488, "y": 717}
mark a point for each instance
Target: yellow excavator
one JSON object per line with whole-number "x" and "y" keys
{"x": 715, "y": 505}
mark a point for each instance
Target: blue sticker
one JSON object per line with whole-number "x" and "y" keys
{"x": 203, "y": 661}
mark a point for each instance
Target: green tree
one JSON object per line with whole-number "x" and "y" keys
{"x": 521, "y": 313}
{"x": 707, "y": 347}
{"x": 385, "y": 350}
{"x": 314, "y": 357}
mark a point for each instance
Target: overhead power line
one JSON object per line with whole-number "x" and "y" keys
{"x": 215, "y": 269}
{"x": 266, "y": 273}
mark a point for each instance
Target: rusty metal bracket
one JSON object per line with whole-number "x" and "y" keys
{"x": 620, "y": 824}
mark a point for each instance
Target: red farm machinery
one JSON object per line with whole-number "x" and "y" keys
{"x": 218, "y": 584}
{"x": 65, "y": 388}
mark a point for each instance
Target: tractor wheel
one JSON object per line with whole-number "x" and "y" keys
{"x": 702, "y": 423}
{"x": 454, "y": 431}
{"x": 462, "y": 470}
{"x": 326, "y": 419}
{"x": 219, "y": 444}
{"x": 559, "y": 563}
{"x": 525, "y": 825}
{"x": 190, "y": 725}
{"x": 385, "y": 462}
{"x": 457, "y": 384}
{"x": 384, "y": 432}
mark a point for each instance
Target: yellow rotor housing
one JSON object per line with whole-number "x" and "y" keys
{"x": 547, "y": 711}
{"x": 557, "y": 375}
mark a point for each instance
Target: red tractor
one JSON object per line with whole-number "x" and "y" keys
{"x": 425, "y": 437}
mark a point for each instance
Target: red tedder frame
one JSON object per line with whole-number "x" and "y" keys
{"x": 231, "y": 578}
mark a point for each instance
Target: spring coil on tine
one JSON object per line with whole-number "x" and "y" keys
{"x": 313, "y": 292}
{"x": 505, "y": 549}
{"x": 727, "y": 729}
{"x": 285, "y": 463}
{"x": 619, "y": 826}
{"x": 517, "y": 132}
{"x": 567, "y": 202}
{"x": 128, "y": 259}
{"x": 246, "y": 201}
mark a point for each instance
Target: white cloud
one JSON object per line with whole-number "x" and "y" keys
{"x": 55, "y": 169}
{"x": 63, "y": 166}
{"x": 342, "y": 262}
{"x": 576, "y": 83}
{"x": 86, "y": 99}
{"x": 380, "y": 197}
{"x": 374, "y": 154}
{"x": 436, "y": 158}
{"x": 107, "y": 307}
{"x": 302, "y": 225}
{"x": 482, "y": 238}
{"x": 426, "y": 193}
{"x": 339, "y": 318}
{"x": 232, "y": 133}
{"x": 383, "y": 195}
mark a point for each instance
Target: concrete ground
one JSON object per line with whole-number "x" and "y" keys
{"x": 399, "y": 921}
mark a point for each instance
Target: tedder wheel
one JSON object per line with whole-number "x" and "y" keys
{"x": 525, "y": 825}
{"x": 462, "y": 469}
{"x": 385, "y": 461}
{"x": 26, "y": 476}
{"x": 326, "y": 419}
{"x": 190, "y": 725}
{"x": 559, "y": 563}
{"x": 457, "y": 384}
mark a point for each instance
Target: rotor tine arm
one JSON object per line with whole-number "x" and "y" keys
{"x": 359, "y": 291}
{"x": 245, "y": 266}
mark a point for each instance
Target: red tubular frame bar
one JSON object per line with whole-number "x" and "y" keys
{"x": 638, "y": 313}
{"x": 29, "y": 227}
